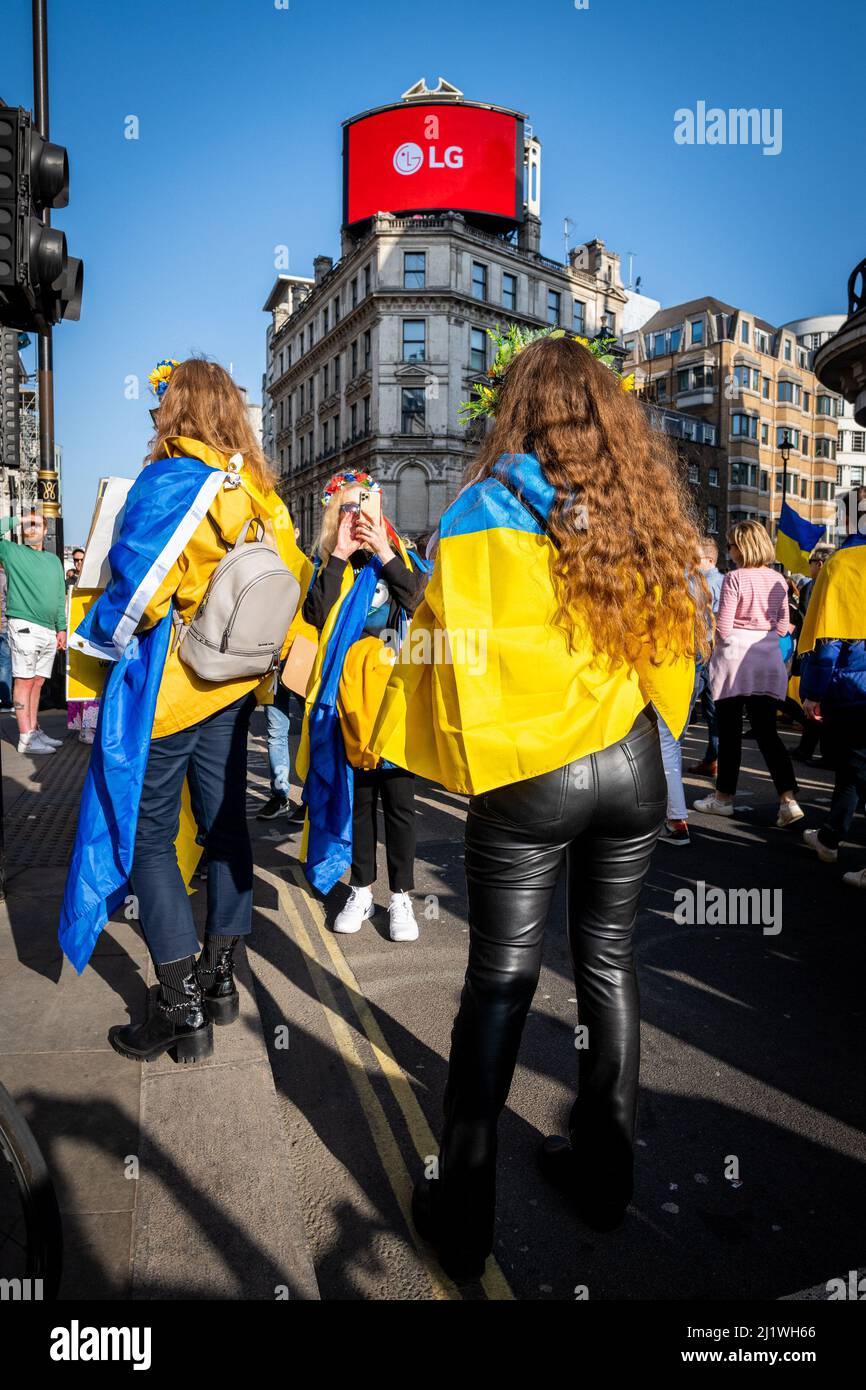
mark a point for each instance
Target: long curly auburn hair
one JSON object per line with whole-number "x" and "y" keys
{"x": 626, "y": 566}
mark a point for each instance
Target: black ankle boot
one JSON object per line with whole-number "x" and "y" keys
{"x": 557, "y": 1161}
{"x": 215, "y": 972}
{"x": 461, "y": 1265}
{"x": 177, "y": 1025}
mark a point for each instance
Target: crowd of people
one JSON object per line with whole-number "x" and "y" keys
{"x": 572, "y": 561}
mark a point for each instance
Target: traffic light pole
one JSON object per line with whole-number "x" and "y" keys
{"x": 47, "y": 481}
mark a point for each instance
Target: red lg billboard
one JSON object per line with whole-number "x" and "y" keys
{"x": 431, "y": 157}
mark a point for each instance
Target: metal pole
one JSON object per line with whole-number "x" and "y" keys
{"x": 47, "y": 480}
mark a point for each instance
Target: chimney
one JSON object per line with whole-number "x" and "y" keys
{"x": 321, "y": 266}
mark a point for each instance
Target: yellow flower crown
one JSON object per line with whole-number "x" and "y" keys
{"x": 485, "y": 395}
{"x": 161, "y": 375}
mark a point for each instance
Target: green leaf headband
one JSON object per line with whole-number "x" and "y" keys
{"x": 486, "y": 395}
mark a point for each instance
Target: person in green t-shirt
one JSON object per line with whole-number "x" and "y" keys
{"x": 36, "y": 624}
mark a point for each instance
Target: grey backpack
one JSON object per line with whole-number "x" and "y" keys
{"x": 241, "y": 623}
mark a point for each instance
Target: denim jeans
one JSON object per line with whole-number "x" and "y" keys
{"x": 213, "y": 755}
{"x": 672, "y": 761}
{"x": 708, "y": 709}
{"x": 845, "y": 735}
{"x": 277, "y": 717}
{"x": 5, "y": 671}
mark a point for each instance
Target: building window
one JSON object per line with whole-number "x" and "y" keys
{"x": 608, "y": 320}
{"x": 354, "y": 291}
{"x": 712, "y": 518}
{"x": 697, "y": 328}
{"x": 366, "y": 405}
{"x": 553, "y": 301}
{"x": 477, "y": 349}
{"x": 326, "y": 434}
{"x": 412, "y": 500}
{"x": 509, "y": 292}
{"x": 676, "y": 336}
{"x": 324, "y": 320}
{"x": 804, "y": 444}
{"x": 324, "y": 381}
{"x": 479, "y": 280}
{"x": 336, "y": 310}
{"x": 745, "y": 425}
{"x": 367, "y": 348}
{"x": 311, "y": 397}
{"x": 826, "y": 448}
{"x": 355, "y": 359}
{"x": 793, "y": 436}
{"x": 353, "y": 415}
{"x": 661, "y": 389}
{"x": 414, "y": 270}
{"x": 414, "y": 340}
{"x": 744, "y": 475}
{"x": 858, "y": 442}
{"x": 765, "y": 388}
{"x": 745, "y": 326}
{"x": 368, "y": 279}
{"x": 787, "y": 349}
{"x": 412, "y": 410}
{"x": 337, "y": 382}
{"x": 695, "y": 379}
{"x": 694, "y": 473}
{"x": 824, "y": 405}
{"x": 713, "y": 477}
{"x": 765, "y": 481}
{"x": 310, "y": 337}
{"x": 578, "y": 316}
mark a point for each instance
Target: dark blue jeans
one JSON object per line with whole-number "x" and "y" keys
{"x": 213, "y": 755}
{"x": 844, "y": 732}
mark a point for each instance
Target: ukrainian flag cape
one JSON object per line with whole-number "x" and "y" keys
{"x": 837, "y": 608}
{"x": 795, "y": 540}
{"x": 321, "y": 762}
{"x": 485, "y": 691}
{"x": 151, "y": 539}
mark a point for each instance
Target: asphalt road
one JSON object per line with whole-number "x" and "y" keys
{"x": 752, "y": 1064}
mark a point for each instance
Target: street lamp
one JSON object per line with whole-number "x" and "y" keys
{"x": 785, "y": 451}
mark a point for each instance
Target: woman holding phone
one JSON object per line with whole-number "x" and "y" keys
{"x": 356, "y": 538}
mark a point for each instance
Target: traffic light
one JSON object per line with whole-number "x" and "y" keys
{"x": 40, "y": 284}
{"x": 9, "y": 399}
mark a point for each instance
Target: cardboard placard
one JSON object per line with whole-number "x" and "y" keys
{"x": 104, "y": 529}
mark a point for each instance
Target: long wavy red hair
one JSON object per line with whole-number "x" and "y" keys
{"x": 626, "y": 565}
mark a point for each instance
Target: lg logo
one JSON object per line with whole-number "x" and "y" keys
{"x": 409, "y": 158}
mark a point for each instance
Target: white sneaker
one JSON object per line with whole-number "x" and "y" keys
{"x": 711, "y": 807}
{"x": 856, "y": 879}
{"x": 401, "y": 918}
{"x": 824, "y": 852}
{"x": 32, "y": 743}
{"x": 357, "y": 910}
{"x": 46, "y": 738}
{"x": 789, "y": 812}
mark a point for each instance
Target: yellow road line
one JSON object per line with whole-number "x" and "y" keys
{"x": 494, "y": 1283}
{"x": 382, "y": 1134}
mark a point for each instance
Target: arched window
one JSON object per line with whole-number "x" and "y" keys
{"x": 412, "y": 500}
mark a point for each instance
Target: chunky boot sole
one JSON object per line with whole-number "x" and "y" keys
{"x": 556, "y": 1164}
{"x": 224, "y": 1010}
{"x": 460, "y": 1266}
{"x": 194, "y": 1047}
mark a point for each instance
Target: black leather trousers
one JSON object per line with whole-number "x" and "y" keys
{"x": 601, "y": 816}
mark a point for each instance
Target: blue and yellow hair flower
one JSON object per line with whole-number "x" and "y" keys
{"x": 161, "y": 375}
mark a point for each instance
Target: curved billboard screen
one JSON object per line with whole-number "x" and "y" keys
{"x": 432, "y": 157}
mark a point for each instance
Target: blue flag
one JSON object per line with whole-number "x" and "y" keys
{"x": 163, "y": 508}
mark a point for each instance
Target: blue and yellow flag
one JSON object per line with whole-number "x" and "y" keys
{"x": 795, "y": 540}
{"x": 486, "y": 690}
{"x": 837, "y": 607}
{"x": 163, "y": 508}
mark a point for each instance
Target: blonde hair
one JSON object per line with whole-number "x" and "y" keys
{"x": 202, "y": 402}
{"x": 327, "y": 537}
{"x": 753, "y": 543}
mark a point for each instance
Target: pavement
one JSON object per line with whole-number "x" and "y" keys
{"x": 324, "y": 1103}
{"x": 173, "y": 1182}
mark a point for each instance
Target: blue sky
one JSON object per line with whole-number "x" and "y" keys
{"x": 240, "y": 105}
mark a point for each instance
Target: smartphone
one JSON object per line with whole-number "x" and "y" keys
{"x": 371, "y": 505}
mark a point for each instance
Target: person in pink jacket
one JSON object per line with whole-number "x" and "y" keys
{"x": 746, "y": 669}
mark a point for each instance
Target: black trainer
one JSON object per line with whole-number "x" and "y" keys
{"x": 177, "y": 1024}
{"x": 215, "y": 973}
{"x": 275, "y": 806}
